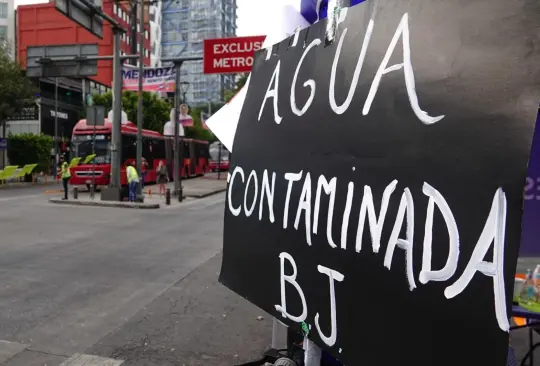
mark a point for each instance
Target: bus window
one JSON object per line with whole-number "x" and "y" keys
{"x": 82, "y": 147}
{"x": 148, "y": 152}
{"x": 129, "y": 147}
{"x": 187, "y": 152}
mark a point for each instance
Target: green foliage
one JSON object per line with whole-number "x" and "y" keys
{"x": 155, "y": 110}
{"x": 27, "y": 148}
{"x": 197, "y": 131}
{"x": 16, "y": 90}
{"x": 229, "y": 94}
{"x": 241, "y": 81}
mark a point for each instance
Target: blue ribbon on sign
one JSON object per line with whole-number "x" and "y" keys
{"x": 309, "y": 10}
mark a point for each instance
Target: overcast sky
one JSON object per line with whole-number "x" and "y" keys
{"x": 254, "y": 16}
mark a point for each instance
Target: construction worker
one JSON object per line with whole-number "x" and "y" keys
{"x": 65, "y": 174}
{"x": 133, "y": 180}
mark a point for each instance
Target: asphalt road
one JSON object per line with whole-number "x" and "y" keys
{"x": 136, "y": 286}
{"x": 94, "y": 286}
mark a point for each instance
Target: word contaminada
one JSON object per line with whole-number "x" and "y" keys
{"x": 493, "y": 232}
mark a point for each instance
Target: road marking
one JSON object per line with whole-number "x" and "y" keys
{"x": 14, "y": 198}
{"x": 79, "y": 359}
{"x": 10, "y": 349}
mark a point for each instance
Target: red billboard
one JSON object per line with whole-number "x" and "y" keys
{"x": 230, "y": 55}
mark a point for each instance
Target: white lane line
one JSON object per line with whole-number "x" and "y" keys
{"x": 10, "y": 349}
{"x": 79, "y": 359}
{"x": 14, "y": 198}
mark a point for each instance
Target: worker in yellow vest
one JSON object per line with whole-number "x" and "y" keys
{"x": 65, "y": 173}
{"x": 133, "y": 180}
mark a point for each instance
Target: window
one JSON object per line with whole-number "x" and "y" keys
{"x": 146, "y": 35}
{"x": 3, "y": 10}
{"x": 3, "y": 31}
{"x": 115, "y": 9}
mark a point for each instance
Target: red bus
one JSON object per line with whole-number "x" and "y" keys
{"x": 156, "y": 148}
{"x": 215, "y": 156}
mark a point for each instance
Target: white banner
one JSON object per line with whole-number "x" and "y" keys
{"x": 156, "y": 79}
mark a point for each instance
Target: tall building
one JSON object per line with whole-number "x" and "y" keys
{"x": 155, "y": 33}
{"x": 41, "y": 25}
{"x": 185, "y": 24}
{"x": 7, "y": 22}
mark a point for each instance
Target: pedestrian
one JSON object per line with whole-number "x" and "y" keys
{"x": 133, "y": 180}
{"x": 65, "y": 174}
{"x": 162, "y": 177}
{"x": 144, "y": 168}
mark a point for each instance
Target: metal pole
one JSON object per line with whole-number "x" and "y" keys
{"x": 140, "y": 104}
{"x": 55, "y": 127}
{"x": 219, "y": 161}
{"x": 133, "y": 34}
{"x": 116, "y": 137}
{"x": 176, "y": 175}
{"x": 93, "y": 187}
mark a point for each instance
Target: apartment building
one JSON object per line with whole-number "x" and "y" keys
{"x": 185, "y": 24}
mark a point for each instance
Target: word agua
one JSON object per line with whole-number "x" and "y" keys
{"x": 402, "y": 31}
{"x": 492, "y": 233}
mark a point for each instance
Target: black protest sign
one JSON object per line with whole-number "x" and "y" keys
{"x": 376, "y": 184}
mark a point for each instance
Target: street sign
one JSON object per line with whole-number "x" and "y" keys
{"x": 369, "y": 192}
{"x": 95, "y": 115}
{"x": 3, "y": 143}
{"x": 230, "y": 55}
{"x": 83, "y": 14}
{"x": 38, "y": 65}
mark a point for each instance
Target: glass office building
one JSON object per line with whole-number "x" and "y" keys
{"x": 185, "y": 24}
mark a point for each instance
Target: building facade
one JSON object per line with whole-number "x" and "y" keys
{"x": 42, "y": 25}
{"x": 155, "y": 33}
{"x": 185, "y": 24}
{"x": 7, "y": 22}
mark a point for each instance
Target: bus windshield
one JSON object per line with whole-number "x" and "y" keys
{"x": 214, "y": 153}
{"x": 82, "y": 145}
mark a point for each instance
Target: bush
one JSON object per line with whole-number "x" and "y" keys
{"x": 27, "y": 148}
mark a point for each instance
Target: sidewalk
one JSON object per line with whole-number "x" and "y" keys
{"x": 196, "y": 187}
{"x": 193, "y": 188}
{"x": 41, "y": 181}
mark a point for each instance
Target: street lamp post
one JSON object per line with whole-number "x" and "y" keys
{"x": 177, "y": 66}
{"x": 181, "y": 87}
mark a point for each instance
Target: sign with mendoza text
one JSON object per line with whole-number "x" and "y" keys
{"x": 376, "y": 187}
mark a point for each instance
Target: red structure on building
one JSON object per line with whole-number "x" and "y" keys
{"x": 42, "y": 24}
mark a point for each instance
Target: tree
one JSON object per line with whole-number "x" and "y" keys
{"x": 197, "y": 131}
{"x": 27, "y": 148}
{"x": 229, "y": 94}
{"x": 156, "y": 111}
{"x": 16, "y": 90}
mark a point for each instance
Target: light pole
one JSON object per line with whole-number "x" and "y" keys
{"x": 181, "y": 87}
{"x": 140, "y": 101}
{"x": 177, "y": 90}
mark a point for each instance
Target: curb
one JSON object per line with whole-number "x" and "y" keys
{"x": 105, "y": 204}
{"x": 205, "y": 194}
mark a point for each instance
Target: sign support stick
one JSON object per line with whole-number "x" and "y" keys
{"x": 140, "y": 101}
